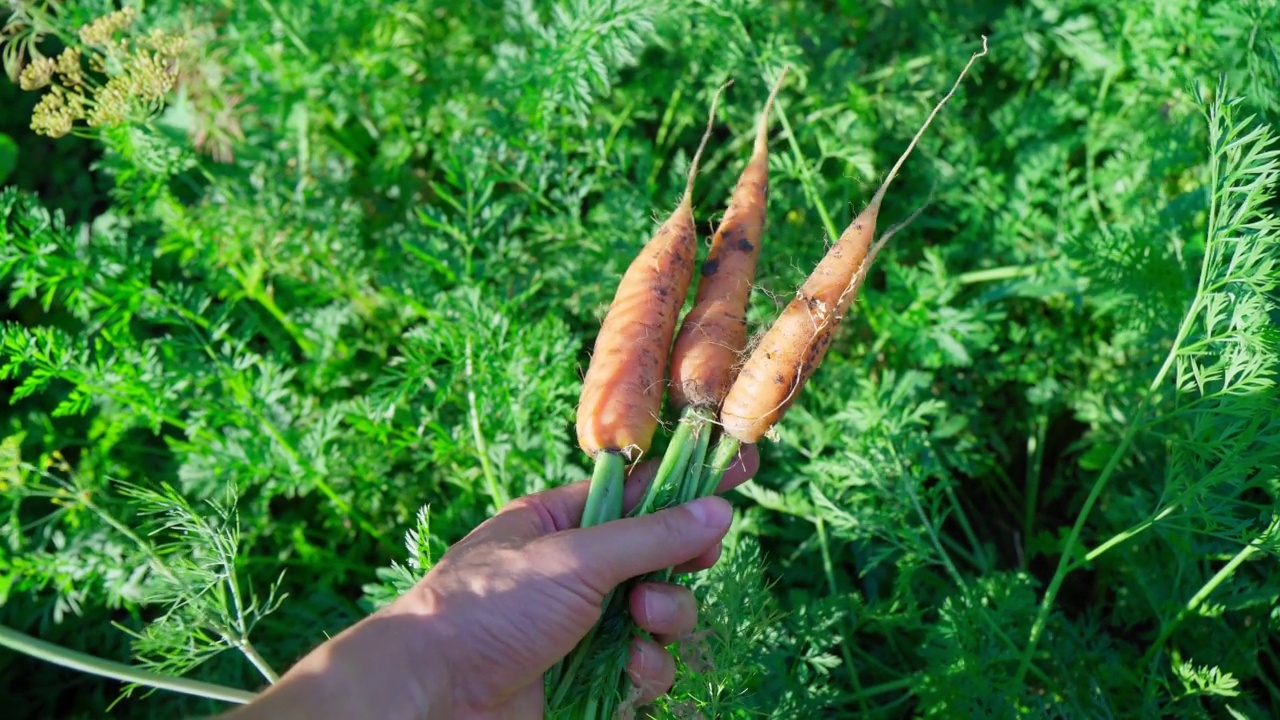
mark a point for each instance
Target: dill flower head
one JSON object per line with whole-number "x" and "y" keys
{"x": 56, "y": 112}
{"x": 100, "y": 32}
{"x": 164, "y": 43}
{"x": 139, "y": 72}
{"x": 37, "y": 73}
{"x": 148, "y": 76}
{"x": 69, "y": 69}
{"x": 110, "y": 103}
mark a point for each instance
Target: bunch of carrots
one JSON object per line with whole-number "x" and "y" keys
{"x": 718, "y": 389}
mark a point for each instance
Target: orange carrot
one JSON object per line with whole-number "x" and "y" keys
{"x": 622, "y": 391}
{"x": 714, "y": 333}
{"x": 622, "y": 396}
{"x": 795, "y": 345}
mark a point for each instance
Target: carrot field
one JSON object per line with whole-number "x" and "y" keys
{"x": 296, "y": 293}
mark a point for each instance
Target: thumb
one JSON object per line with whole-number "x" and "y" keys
{"x": 607, "y": 555}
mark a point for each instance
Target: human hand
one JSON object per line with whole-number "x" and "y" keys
{"x": 474, "y": 637}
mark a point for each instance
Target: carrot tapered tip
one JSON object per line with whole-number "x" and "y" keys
{"x": 687, "y": 200}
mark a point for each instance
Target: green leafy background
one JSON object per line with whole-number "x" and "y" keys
{"x": 355, "y": 267}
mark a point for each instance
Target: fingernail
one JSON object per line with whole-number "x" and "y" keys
{"x": 712, "y": 512}
{"x": 635, "y": 668}
{"x": 659, "y": 607}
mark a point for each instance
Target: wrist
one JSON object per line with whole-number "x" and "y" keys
{"x": 380, "y": 669}
{"x": 418, "y": 632}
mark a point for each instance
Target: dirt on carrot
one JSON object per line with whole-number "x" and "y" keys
{"x": 713, "y": 336}
{"x": 622, "y": 391}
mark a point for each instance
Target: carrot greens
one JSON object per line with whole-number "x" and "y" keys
{"x": 297, "y": 294}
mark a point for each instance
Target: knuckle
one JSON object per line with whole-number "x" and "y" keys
{"x": 533, "y": 510}
{"x": 578, "y": 574}
{"x": 516, "y": 505}
{"x": 677, "y": 523}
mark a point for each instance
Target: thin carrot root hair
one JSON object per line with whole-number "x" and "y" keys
{"x": 753, "y": 341}
{"x": 762, "y": 130}
{"x": 902, "y": 159}
{"x": 854, "y": 285}
{"x": 686, "y": 200}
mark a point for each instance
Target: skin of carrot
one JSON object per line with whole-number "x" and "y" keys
{"x": 714, "y": 333}
{"x": 795, "y": 344}
{"x": 622, "y": 391}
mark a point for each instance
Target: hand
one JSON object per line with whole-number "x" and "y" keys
{"x": 473, "y": 638}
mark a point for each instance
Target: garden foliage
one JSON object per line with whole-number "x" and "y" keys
{"x": 338, "y": 285}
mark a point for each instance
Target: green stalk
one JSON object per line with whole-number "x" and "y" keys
{"x": 725, "y": 453}
{"x": 1136, "y": 422}
{"x": 604, "y": 500}
{"x": 239, "y": 640}
{"x": 1008, "y": 272}
{"x": 833, "y": 590}
{"x": 691, "y": 486}
{"x": 681, "y": 462}
{"x": 1124, "y": 535}
{"x": 604, "y": 503}
{"x": 806, "y": 178}
{"x": 905, "y": 684}
{"x": 63, "y": 657}
{"x": 289, "y": 29}
{"x": 688, "y": 484}
{"x": 1203, "y": 593}
{"x": 681, "y": 472}
{"x": 675, "y": 462}
{"x": 1066, "y": 560}
{"x": 678, "y": 477}
{"x": 496, "y": 491}
{"x": 567, "y": 669}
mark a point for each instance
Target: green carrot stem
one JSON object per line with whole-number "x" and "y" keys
{"x": 604, "y": 503}
{"x": 569, "y": 667}
{"x": 674, "y": 463}
{"x": 690, "y": 486}
{"x": 725, "y": 453}
{"x": 683, "y": 467}
{"x": 572, "y": 662}
{"x": 604, "y": 500}
{"x": 67, "y": 658}
{"x": 1258, "y": 544}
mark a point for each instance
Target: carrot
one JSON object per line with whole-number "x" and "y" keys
{"x": 795, "y": 345}
{"x": 622, "y": 391}
{"x": 708, "y": 348}
{"x": 714, "y": 333}
{"x": 621, "y": 398}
